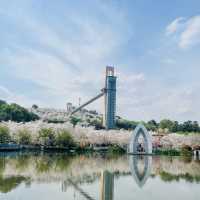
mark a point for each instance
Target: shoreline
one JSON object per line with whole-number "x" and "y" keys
{"x": 41, "y": 135}
{"x": 113, "y": 150}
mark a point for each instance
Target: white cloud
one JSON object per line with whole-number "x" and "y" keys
{"x": 191, "y": 35}
{"x": 187, "y": 31}
{"x": 174, "y": 25}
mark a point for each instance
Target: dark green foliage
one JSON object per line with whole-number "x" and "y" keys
{"x": 55, "y": 121}
{"x": 167, "y": 152}
{"x": 34, "y": 106}
{"x": 167, "y": 177}
{"x": 15, "y": 113}
{"x": 9, "y": 183}
{"x": 126, "y": 124}
{"x": 94, "y": 112}
{"x": 4, "y": 135}
{"x": 152, "y": 125}
{"x": 74, "y": 121}
{"x": 166, "y": 124}
{"x": 115, "y": 149}
{"x": 175, "y": 127}
{"x": 96, "y": 123}
{"x": 2, "y": 102}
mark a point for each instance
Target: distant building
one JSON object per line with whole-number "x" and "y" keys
{"x": 69, "y": 107}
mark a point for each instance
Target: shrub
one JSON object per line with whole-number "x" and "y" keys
{"x": 115, "y": 149}
{"x": 47, "y": 137}
{"x": 4, "y": 135}
{"x": 168, "y": 152}
{"x": 64, "y": 139}
{"x": 24, "y": 137}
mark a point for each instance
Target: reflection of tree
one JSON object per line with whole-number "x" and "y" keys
{"x": 44, "y": 164}
{"x": 57, "y": 162}
{"x": 186, "y": 159}
{"x": 22, "y": 162}
{"x": 2, "y": 165}
{"x": 62, "y": 162}
{"x": 10, "y": 183}
{"x": 167, "y": 177}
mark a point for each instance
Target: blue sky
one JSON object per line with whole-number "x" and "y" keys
{"x": 52, "y": 52}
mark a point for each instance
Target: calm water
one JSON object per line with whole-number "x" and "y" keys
{"x": 60, "y": 176}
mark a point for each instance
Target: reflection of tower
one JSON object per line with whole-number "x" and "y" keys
{"x": 140, "y": 167}
{"x": 110, "y": 98}
{"x": 107, "y": 185}
{"x": 79, "y": 101}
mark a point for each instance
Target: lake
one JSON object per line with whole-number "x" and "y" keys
{"x": 50, "y": 176}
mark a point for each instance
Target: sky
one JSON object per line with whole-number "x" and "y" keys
{"x": 53, "y": 52}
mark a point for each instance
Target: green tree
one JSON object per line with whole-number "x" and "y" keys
{"x": 166, "y": 124}
{"x": 175, "y": 127}
{"x": 34, "y": 106}
{"x": 196, "y": 126}
{"x": 152, "y": 125}
{"x": 4, "y": 135}
{"x": 74, "y": 121}
{"x": 16, "y": 113}
{"x": 187, "y": 126}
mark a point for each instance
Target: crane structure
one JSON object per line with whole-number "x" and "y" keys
{"x": 109, "y": 93}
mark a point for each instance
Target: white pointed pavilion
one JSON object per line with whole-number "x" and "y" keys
{"x": 140, "y": 130}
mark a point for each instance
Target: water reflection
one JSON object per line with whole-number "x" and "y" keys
{"x": 93, "y": 176}
{"x": 76, "y": 187}
{"x": 107, "y": 185}
{"x": 140, "y": 167}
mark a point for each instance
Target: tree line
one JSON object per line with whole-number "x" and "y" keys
{"x": 15, "y": 112}
{"x": 164, "y": 125}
